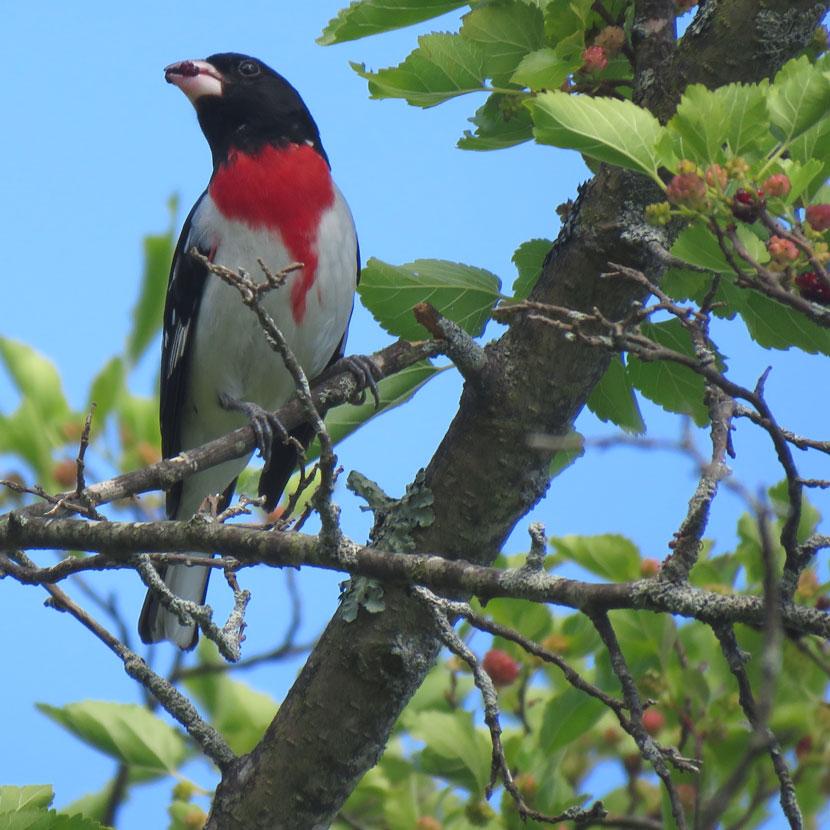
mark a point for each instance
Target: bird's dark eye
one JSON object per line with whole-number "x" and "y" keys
{"x": 248, "y": 69}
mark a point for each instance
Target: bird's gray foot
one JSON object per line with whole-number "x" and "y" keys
{"x": 265, "y": 424}
{"x": 364, "y": 371}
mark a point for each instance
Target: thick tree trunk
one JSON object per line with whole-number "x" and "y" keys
{"x": 335, "y": 722}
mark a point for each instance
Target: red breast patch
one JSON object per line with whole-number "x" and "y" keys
{"x": 282, "y": 188}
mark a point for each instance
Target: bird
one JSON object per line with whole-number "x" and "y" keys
{"x": 270, "y": 197}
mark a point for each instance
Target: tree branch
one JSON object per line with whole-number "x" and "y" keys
{"x": 121, "y": 540}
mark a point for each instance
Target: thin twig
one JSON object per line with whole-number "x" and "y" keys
{"x": 763, "y": 737}
{"x": 648, "y": 749}
{"x": 499, "y": 768}
{"x": 171, "y": 699}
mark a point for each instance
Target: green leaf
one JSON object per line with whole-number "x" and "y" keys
{"x": 613, "y": 399}
{"x": 804, "y": 177}
{"x": 127, "y": 732}
{"x": 564, "y": 18}
{"x": 240, "y": 713}
{"x": 501, "y": 122}
{"x": 442, "y": 67}
{"x": 29, "y": 797}
{"x": 567, "y": 717}
{"x": 572, "y": 447}
{"x": 343, "y": 420}
{"x": 505, "y": 33}
{"x": 138, "y": 423}
{"x": 608, "y": 555}
{"x": 810, "y": 517}
{"x": 432, "y": 695}
{"x": 813, "y": 145}
{"x": 370, "y": 17}
{"x": 645, "y": 638}
{"x": 35, "y": 377}
{"x": 773, "y": 325}
{"x": 454, "y": 750}
{"x": 543, "y": 69}
{"x": 605, "y": 129}
{"x": 799, "y": 98}
{"x": 46, "y": 820}
{"x": 674, "y": 386}
{"x": 528, "y": 259}
{"x": 393, "y": 391}
{"x": 147, "y": 314}
{"x": 461, "y": 293}
{"x": 698, "y": 246}
{"x": 28, "y": 436}
{"x": 106, "y": 389}
{"x": 92, "y": 805}
{"x": 706, "y": 121}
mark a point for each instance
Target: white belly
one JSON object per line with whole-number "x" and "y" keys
{"x": 230, "y": 353}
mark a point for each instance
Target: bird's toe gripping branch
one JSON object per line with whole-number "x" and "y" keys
{"x": 364, "y": 371}
{"x": 264, "y": 423}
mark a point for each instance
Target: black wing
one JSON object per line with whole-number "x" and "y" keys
{"x": 184, "y": 295}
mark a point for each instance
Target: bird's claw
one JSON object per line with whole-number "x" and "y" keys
{"x": 364, "y": 371}
{"x": 264, "y": 423}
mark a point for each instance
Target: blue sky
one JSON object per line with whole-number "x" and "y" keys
{"x": 94, "y": 143}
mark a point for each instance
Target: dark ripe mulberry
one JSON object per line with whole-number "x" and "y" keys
{"x": 814, "y": 287}
{"x": 747, "y": 206}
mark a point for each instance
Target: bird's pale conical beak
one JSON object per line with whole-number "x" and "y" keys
{"x": 194, "y": 78}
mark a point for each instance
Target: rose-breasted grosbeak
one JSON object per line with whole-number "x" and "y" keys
{"x": 271, "y": 197}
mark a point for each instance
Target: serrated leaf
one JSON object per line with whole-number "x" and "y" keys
{"x": 811, "y": 146}
{"x": 613, "y": 399}
{"x": 454, "y": 750}
{"x": 773, "y": 325}
{"x": 127, "y": 732}
{"x": 674, "y": 386}
{"x": 608, "y": 555}
{"x": 804, "y": 178}
{"x": 29, "y": 797}
{"x": 528, "y": 259}
{"x": 239, "y": 712}
{"x": 799, "y": 98}
{"x": 698, "y": 246}
{"x": 706, "y": 121}
{"x": 646, "y": 639}
{"x": 93, "y": 805}
{"x": 567, "y": 717}
{"x": 501, "y": 122}
{"x": 543, "y": 69}
{"x": 605, "y": 129}
{"x": 565, "y": 17}
{"x": 370, "y": 17}
{"x": 106, "y": 389}
{"x": 147, "y": 314}
{"x": 442, "y": 67}
{"x": 35, "y": 377}
{"x": 505, "y": 33}
{"x": 46, "y": 820}
{"x": 393, "y": 391}
{"x": 462, "y": 293}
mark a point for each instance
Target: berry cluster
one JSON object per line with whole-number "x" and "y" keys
{"x": 722, "y": 195}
